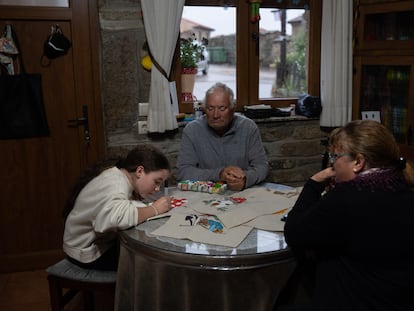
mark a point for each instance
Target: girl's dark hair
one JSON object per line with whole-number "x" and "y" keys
{"x": 147, "y": 156}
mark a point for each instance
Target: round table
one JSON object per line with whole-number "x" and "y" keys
{"x": 160, "y": 273}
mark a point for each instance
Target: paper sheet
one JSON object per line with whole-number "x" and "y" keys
{"x": 259, "y": 202}
{"x": 269, "y": 222}
{"x": 234, "y": 213}
{"x": 179, "y": 227}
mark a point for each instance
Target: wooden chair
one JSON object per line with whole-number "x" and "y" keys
{"x": 65, "y": 275}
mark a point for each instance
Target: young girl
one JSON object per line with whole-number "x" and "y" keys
{"x": 105, "y": 201}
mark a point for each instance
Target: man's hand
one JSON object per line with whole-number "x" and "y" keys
{"x": 234, "y": 177}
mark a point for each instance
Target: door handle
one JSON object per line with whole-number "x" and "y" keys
{"x": 82, "y": 121}
{"x": 77, "y": 122}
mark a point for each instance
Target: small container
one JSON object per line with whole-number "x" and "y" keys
{"x": 292, "y": 110}
{"x": 198, "y": 110}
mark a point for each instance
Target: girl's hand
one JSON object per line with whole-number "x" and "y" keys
{"x": 162, "y": 205}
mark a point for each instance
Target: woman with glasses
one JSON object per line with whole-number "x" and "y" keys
{"x": 356, "y": 218}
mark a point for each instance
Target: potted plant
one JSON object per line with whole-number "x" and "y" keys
{"x": 191, "y": 53}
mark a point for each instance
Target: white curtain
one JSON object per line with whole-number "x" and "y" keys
{"x": 162, "y": 28}
{"x": 336, "y": 63}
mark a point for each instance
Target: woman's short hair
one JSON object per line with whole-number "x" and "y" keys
{"x": 369, "y": 138}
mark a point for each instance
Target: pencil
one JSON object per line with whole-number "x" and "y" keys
{"x": 281, "y": 211}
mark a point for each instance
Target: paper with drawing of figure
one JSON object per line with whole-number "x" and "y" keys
{"x": 178, "y": 226}
{"x": 202, "y": 228}
{"x": 227, "y": 219}
{"x": 216, "y": 205}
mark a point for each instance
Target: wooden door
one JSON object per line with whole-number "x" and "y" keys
{"x": 37, "y": 173}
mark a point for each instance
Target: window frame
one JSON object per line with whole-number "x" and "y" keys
{"x": 247, "y": 77}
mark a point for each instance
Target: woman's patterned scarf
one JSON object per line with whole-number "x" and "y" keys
{"x": 378, "y": 179}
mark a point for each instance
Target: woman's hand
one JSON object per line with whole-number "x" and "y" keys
{"x": 326, "y": 176}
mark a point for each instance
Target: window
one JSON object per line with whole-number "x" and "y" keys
{"x": 220, "y": 61}
{"x": 255, "y": 57}
{"x": 282, "y": 48}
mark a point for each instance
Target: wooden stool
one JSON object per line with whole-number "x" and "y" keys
{"x": 66, "y": 275}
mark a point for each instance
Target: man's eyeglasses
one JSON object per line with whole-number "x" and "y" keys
{"x": 221, "y": 108}
{"x": 334, "y": 156}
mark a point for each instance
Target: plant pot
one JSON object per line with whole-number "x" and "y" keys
{"x": 187, "y": 83}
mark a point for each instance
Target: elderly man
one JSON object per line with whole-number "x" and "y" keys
{"x": 222, "y": 146}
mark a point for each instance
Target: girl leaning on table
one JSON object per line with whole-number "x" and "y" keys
{"x": 361, "y": 231}
{"x": 108, "y": 198}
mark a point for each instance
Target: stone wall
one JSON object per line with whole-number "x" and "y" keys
{"x": 124, "y": 82}
{"x": 292, "y": 144}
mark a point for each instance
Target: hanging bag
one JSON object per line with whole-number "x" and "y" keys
{"x": 22, "y": 113}
{"x": 7, "y": 49}
{"x": 56, "y": 43}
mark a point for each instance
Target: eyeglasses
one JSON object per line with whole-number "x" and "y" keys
{"x": 334, "y": 156}
{"x": 221, "y": 108}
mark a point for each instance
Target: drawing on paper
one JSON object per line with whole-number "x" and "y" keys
{"x": 211, "y": 223}
{"x": 223, "y": 204}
